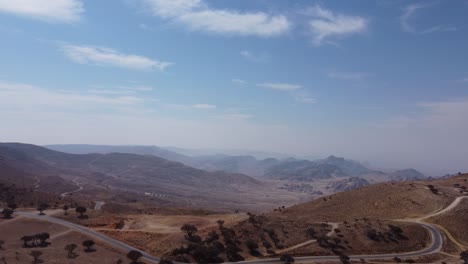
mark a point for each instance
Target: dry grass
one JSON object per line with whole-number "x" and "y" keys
{"x": 380, "y": 201}
{"x": 13, "y": 230}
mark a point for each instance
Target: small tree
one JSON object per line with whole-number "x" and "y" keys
{"x": 81, "y": 210}
{"x": 7, "y": 213}
{"x": 288, "y": 259}
{"x": 12, "y": 206}
{"x": 70, "y": 248}
{"x": 36, "y": 255}
{"x": 89, "y": 245}
{"x": 464, "y": 256}
{"x": 397, "y": 260}
{"x": 42, "y": 237}
{"x": 26, "y": 240}
{"x": 42, "y": 207}
{"x": 189, "y": 229}
{"x": 311, "y": 233}
{"x": 252, "y": 246}
{"x": 1, "y": 244}
{"x": 134, "y": 256}
{"x": 65, "y": 209}
{"x": 165, "y": 261}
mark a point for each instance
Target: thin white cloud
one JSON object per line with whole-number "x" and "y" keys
{"x": 350, "y": 76}
{"x": 326, "y": 24}
{"x": 109, "y": 57}
{"x": 235, "y": 117}
{"x": 239, "y": 81}
{"x": 280, "y": 86}
{"x": 19, "y": 95}
{"x": 253, "y": 57}
{"x": 408, "y": 14}
{"x": 47, "y": 10}
{"x": 204, "y": 106}
{"x": 304, "y": 98}
{"x": 110, "y": 92}
{"x": 198, "y": 16}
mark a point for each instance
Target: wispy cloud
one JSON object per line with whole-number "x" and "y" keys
{"x": 109, "y": 57}
{"x": 280, "y": 86}
{"x": 204, "y": 106}
{"x": 198, "y": 16}
{"x": 304, "y": 98}
{"x": 47, "y": 10}
{"x": 234, "y": 117}
{"x": 326, "y": 24}
{"x": 248, "y": 55}
{"x": 408, "y": 14}
{"x": 18, "y": 95}
{"x": 239, "y": 81}
{"x": 350, "y": 76}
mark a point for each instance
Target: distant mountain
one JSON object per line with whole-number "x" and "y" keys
{"x": 269, "y": 168}
{"x": 348, "y": 167}
{"x": 106, "y": 149}
{"x": 407, "y": 175}
{"x": 303, "y": 170}
{"x": 347, "y": 184}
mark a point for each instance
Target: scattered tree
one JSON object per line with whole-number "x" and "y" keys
{"x": 42, "y": 237}
{"x": 42, "y": 207}
{"x": 165, "y": 261}
{"x": 7, "y": 213}
{"x": 464, "y": 256}
{"x": 288, "y": 259}
{"x": 189, "y": 229}
{"x": 70, "y": 248}
{"x": 36, "y": 255}
{"x": 81, "y": 210}
{"x": 65, "y": 209}
{"x": 311, "y": 233}
{"x": 134, "y": 256}
{"x": 397, "y": 260}
{"x": 26, "y": 240}
{"x": 12, "y": 206}
{"x": 252, "y": 246}
{"x": 1, "y": 244}
{"x": 89, "y": 245}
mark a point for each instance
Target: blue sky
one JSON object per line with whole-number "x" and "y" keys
{"x": 379, "y": 81}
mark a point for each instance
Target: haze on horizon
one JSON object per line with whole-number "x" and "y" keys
{"x": 384, "y": 82}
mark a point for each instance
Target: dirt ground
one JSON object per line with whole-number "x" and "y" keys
{"x": 12, "y": 230}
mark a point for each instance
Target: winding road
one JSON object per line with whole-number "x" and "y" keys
{"x": 436, "y": 243}
{"x": 77, "y": 190}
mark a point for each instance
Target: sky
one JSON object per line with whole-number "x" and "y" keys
{"x": 383, "y": 81}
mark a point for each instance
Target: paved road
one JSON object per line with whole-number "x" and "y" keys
{"x": 434, "y": 247}
{"x": 115, "y": 243}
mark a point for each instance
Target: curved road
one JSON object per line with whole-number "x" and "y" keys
{"x": 436, "y": 243}
{"x": 77, "y": 190}
{"x": 89, "y": 232}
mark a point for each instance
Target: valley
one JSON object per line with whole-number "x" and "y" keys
{"x": 137, "y": 202}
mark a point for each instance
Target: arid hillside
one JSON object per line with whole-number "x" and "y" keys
{"x": 148, "y": 178}
{"x": 376, "y": 219}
